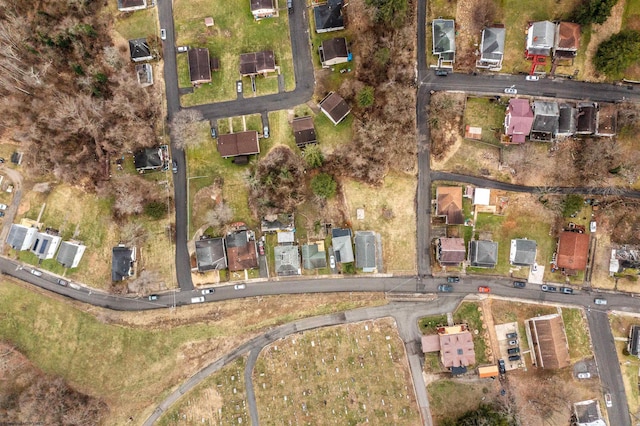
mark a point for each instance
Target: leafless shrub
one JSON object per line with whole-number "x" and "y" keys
{"x": 183, "y": 131}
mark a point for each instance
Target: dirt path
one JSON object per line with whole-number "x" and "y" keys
{"x": 487, "y": 318}
{"x": 10, "y": 213}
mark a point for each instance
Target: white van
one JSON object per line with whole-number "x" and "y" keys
{"x": 198, "y": 299}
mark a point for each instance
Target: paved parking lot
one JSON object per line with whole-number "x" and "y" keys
{"x": 503, "y": 343}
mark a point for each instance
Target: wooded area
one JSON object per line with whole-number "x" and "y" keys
{"x": 66, "y": 92}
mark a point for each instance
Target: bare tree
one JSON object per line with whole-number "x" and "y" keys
{"x": 184, "y": 132}
{"x": 484, "y": 14}
{"x": 220, "y": 215}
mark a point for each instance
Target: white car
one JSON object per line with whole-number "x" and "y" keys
{"x": 584, "y": 375}
{"x": 163, "y": 34}
{"x": 532, "y": 78}
{"x": 182, "y": 49}
{"x": 332, "y": 262}
{"x": 208, "y": 291}
{"x": 600, "y": 301}
{"x": 3, "y": 206}
{"x": 36, "y": 272}
{"x": 239, "y": 86}
{"x": 240, "y": 286}
{"x": 510, "y": 91}
{"x": 607, "y": 400}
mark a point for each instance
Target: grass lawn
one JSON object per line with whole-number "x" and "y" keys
{"x": 234, "y": 32}
{"x": 162, "y": 348}
{"x": 577, "y": 334}
{"x": 220, "y": 399}
{"x": 629, "y": 364}
{"x": 343, "y": 375}
{"x": 390, "y": 211}
{"x": 469, "y": 313}
{"x": 518, "y": 224}
{"x": 449, "y": 399}
{"x": 429, "y": 325}
{"x": 138, "y": 24}
{"x": 482, "y": 112}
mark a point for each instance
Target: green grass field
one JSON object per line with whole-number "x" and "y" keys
{"x": 577, "y": 334}
{"x": 468, "y": 313}
{"x": 482, "y": 112}
{"x": 138, "y": 24}
{"x": 234, "y": 32}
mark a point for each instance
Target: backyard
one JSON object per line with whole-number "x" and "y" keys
{"x": 234, "y": 32}
{"x": 629, "y": 364}
{"x": 350, "y": 374}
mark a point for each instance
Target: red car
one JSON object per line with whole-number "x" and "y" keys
{"x": 483, "y": 289}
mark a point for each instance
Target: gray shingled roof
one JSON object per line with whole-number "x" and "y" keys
{"x": 287, "y": 260}
{"x": 70, "y": 254}
{"x": 211, "y": 254}
{"x": 365, "y": 250}
{"x": 342, "y": 246}
{"x": 483, "y": 254}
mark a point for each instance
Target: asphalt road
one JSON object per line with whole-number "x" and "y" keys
{"x": 608, "y": 367}
{"x": 494, "y": 184}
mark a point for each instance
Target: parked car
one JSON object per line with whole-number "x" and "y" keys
{"x": 332, "y": 262}
{"x": 153, "y": 297}
{"x": 1, "y": 213}
{"x": 532, "y": 78}
{"x": 584, "y": 375}
{"x": 514, "y": 358}
{"x": 548, "y": 288}
{"x": 62, "y": 282}
{"x": 182, "y": 49}
{"x": 513, "y": 351}
{"x": 36, "y": 272}
{"x": 239, "y": 86}
{"x": 600, "y": 301}
{"x": 3, "y": 206}
{"x": 483, "y": 289}
{"x": 163, "y": 34}
{"x": 261, "y": 248}
{"x": 607, "y": 400}
{"x": 566, "y": 290}
{"x": 208, "y": 291}
{"x": 593, "y": 226}
{"x": 501, "y": 366}
{"x": 519, "y": 284}
{"x": 214, "y": 134}
{"x": 453, "y": 279}
{"x": 198, "y": 299}
{"x": 290, "y": 6}
{"x": 265, "y": 132}
{"x": 513, "y": 342}
{"x": 445, "y": 288}
{"x": 1, "y": 160}
{"x": 510, "y": 91}
{"x": 441, "y": 73}
{"x": 240, "y": 286}
{"x": 174, "y": 166}
{"x": 512, "y": 335}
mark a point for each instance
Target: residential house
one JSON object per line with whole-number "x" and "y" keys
{"x": 334, "y": 107}
{"x": 241, "y": 143}
{"x": 550, "y": 347}
{"x": 540, "y": 38}
{"x": 491, "y": 49}
{"x": 241, "y": 250}
{"x": 131, "y": 5}
{"x": 278, "y": 222}
{"x": 211, "y": 254}
{"x": 45, "y": 244}
{"x": 573, "y": 252}
{"x": 139, "y": 50}
{"x": 607, "y": 120}
{"x": 518, "y": 120}
{"x": 366, "y": 251}
{"x": 567, "y": 117}
{"x": 263, "y": 9}
{"x": 287, "y": 260}
{"x": 333, "y": 52}
{"x": 587, "y": 413}
{"x": 587, "y": 118}
{"x": 523, "y": 252}
{"x": 483, "y": 253}
{"x": 144, "y": 73}
{"x": 481, "y": 197}
{"x": 257, "y": 63}
{"x": 633, "y": 344}
{"x": 455, "y": 344}
{"x": 451, "y": 251}
{"x": 70, "y": 254}
{"x": 342, "y": 246}
{"x": 449, "y": 204}
{"x": 303, "y": 131}
{"x": 314, "y": 255}
{"x": 567, "y": 40}
{"x": 149, "y": 159}
{"x": 328, "y": 16}
{"x": 21, "y": 237}
{"x": 443, "y": 33}
{"x": 122, "y": 260}
{"x": 546, "y": 117}
{"x": 199, "y": 65}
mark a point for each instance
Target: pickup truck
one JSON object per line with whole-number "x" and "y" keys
{"x": 198, "y": 299}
